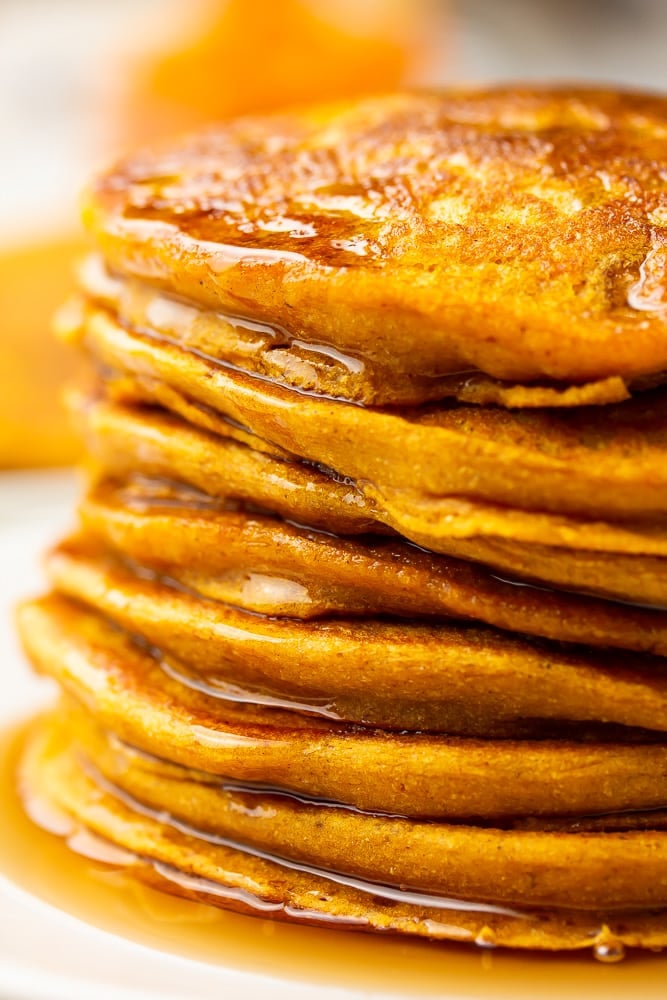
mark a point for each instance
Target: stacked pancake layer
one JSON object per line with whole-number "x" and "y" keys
{"x": 349, "y": 633}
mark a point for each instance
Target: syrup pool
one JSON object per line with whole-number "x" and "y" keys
{"x": 105, "y": 896}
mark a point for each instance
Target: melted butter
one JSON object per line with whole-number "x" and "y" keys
{"x": 218, "y": 739}
{"x": 105, "y": 895}
{"x": 168, "y": 314}
{"x": 355, "y": 366}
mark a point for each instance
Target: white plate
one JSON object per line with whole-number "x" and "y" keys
{"x": 46, "y": 954}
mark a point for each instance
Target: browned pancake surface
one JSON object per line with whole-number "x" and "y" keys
{"x": 589, "y": 462}
{"x": 519, "y": 231}
{"x": 185, "y": 862}
{"x": 414, "y": 774}
{"x": 263, "y": 564}
{"x": 625, "y": 561}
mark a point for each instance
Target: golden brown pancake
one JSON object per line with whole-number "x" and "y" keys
{"x": 368, "y": 659}
{"x": 596, "y": 462}
{"x": 384, "y": 849}
{"x": 625, "y": 561}
{"x": 384, "y": 228}
{"x": 135, "y": 388}
{"x": 262, "y": 564}
{"x": 128, "y": 692}
{"x": 185, "y": 861}
{"x": 270, "y": 352}
{"x": 207, "y": 801}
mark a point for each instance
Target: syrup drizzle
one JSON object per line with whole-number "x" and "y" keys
{"x": 219, "y": 688}
{"x": 277, "y": 383}
{"x": 167, "y": 315}
{"x": 649, "y": 293}
{"x": 395, "y": 894}
{"x": 105, "y": 896}
{"x": 655, "y": 818}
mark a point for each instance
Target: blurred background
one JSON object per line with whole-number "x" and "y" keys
{"x": 82, "y": 79}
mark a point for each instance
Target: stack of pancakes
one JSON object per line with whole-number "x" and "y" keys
{"x": 365, "y": 622}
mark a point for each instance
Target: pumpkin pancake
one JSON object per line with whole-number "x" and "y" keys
{"x": 623, "y": 561}
{"x": 271, "y": 352}
{"x": 384, "y": 229}
{"x": 124, "y": 686}
{"x": 384, "y": 848}
{"x": 368, "y": 659}
{"x": 263, "y": 564}
{"x": 596, "y": 462}
{"x": 211, "y": 801}
{"x": 175, "y": 857}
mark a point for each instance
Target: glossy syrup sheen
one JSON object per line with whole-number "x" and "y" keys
{"x": 336, "y": 218}
{"x": 105, "y": 896}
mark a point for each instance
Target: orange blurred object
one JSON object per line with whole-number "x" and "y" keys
{"x": 34, "y": 429}
{"x": 259, "y": 55}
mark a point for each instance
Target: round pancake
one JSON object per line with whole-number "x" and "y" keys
{"x": 180, "y": 860}
{"x": 262, "y": 564}
{"x": 519, "y": 231}
{"x": 355, "y": 664}
{"x": 429, "y": 857}
{"x": 596, "y": 462}
{"x": 207, "y": 801}
{"x": 271, "y": 352}
{"x": 626, "y": 561}
{"x": 126, "y": 690}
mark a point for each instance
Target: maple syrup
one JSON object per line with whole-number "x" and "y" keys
{"x": 101, "y": 892}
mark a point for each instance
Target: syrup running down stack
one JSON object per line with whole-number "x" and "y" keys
{"x": 365, "y": 621}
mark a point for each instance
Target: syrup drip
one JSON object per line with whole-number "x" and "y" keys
{"x": 609, "y": 953}
{"x": 322, "y": 349}
{"x": 257, "y": 789}
{"x": 218, "y": 688}
{"x": 325, "y": 708}
{"x": 167, "y": 315}
{"x": 149, "y": 495}
{"x": 109, "y": 897}
{"x": 394, "y": 894}
{"x": 649, "y": 293}
{"x": 206, "y": 887}
{"x": 610, "y": 821}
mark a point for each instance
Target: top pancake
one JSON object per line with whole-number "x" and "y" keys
{"x": 519, "y": 232}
